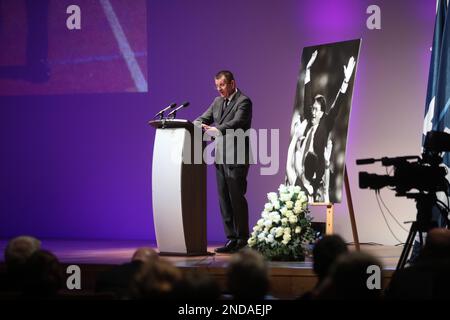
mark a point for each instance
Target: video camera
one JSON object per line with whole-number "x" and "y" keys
{"x": 425, "y": 174}
{"x": 412, "y": 172}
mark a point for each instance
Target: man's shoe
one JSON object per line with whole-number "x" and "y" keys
{"x": 227, "y": 248}
{"x": 240, "y": 244}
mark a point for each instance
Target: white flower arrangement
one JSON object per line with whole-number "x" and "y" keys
{"x": 284, "y": 230}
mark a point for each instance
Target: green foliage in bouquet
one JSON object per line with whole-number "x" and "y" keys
{"x": 284, "y": 230}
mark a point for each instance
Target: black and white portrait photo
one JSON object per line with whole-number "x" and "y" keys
{"x": 319, "y": 126}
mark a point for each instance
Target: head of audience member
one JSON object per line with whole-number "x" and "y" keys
{"x": 156, "y": 279}
{"x": 351, "y": 278}
{"x": 144, "y": 254}
{"x": 43, "y": 275}
{"x": 199, "y": 286}
{"x": 17, "y": 252}
{"x": 248, "y": 275}
{"x": 437, "y": 246}
{"x": 325, "y": 253}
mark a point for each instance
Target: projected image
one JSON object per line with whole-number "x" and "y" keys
{"x": 66, "y": 47}
{"x": 316, "y": 153}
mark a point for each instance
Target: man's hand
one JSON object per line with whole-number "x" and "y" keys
{"x": 348, "y": 70}
{"x": 211, "y": 131}
{"x": 312, "y": 59}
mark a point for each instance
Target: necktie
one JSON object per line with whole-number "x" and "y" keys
{"x": 308, "y": 144}
{"x": 225, "y": 103}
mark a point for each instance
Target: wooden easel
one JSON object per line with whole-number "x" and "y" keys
{"x": 330, "y": 212}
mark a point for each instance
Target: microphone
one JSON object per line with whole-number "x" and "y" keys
{"x": 161, "y": 113}
{"x": 174, "y": 112}
{"x": 365, "y": 161}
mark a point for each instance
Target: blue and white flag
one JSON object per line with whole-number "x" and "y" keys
{"x": 437, "y": 78}
{"x": 437, "y": 105}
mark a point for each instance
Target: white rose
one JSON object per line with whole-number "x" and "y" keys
{"x": 282, "y": 189}
{"x": 289, "y": 204}
{"x": 262, "y": 236}
{"x": 251, "y": 242}
{"x": 273, "y": 231}
{"x": 276, "y": 205}
{"x": 298, "y": 229}
{"x": 268, "y": 207}
{"x": 289, "y": 213}
{"x": 293, "y": 219}
{"x": 270, "y": 238}
{"x": 284, "y": 221}
{"x": 287, "y": 230}
{"x": 286, "y": 238}
{"x": 297, "y": 210}
{"x": 276, "y": 218}
{"x": 283, "y": 210}
{"x": 256, "y": 228}
{"x": 297, "y": 189}
{"x": 260, "y": 222}
{"x": 268, "y": 223}
{"x": 272, "y": 196}
{"x": 279, "y": 232}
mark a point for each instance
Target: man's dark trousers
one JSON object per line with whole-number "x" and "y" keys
{"x": 232, "y": 186}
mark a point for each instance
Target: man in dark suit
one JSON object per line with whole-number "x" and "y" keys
{"x": 232, "y": 114}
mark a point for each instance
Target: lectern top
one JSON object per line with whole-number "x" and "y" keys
{"x": 171, "y": 123}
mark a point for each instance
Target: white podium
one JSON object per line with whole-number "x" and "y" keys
{"x": 179, "y": 188}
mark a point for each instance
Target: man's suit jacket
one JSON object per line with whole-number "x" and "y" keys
{"x": 232, "y": 147}
{"x": 323, "y": 130}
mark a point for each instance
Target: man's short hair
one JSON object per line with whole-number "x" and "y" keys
{"x": 144, "y": 254}
{"x": 325, "y": 252}
{"x": 225, "y": 73}
{"x": 156, "y": 279}
{"x": 321, "y": 101}
{"x": 248, "y": 275}
{"x": 20, "y": 249}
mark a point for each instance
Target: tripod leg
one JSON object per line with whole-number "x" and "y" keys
{"x": 407, "y": 248}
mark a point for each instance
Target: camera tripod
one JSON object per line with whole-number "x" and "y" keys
{"x": 423, "y": 223}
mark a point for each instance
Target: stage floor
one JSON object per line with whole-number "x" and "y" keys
{"x": 120, "y": 251}
{"x": 288, "y": 279}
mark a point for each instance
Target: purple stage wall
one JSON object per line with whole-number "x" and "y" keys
{"x": 79, "y": 166}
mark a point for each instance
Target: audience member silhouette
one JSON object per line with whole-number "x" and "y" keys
{"x": 17, "y": 253}
{"x": 248, "y": 275}
{"x": 348, "y": 279}
{"x": 157, "y": 279}
{"x": 43, "y": 276}
{"x": 117, "y": 279}
{"x": 428, "y": 277}
{"x": 198, "y": 286}
{"x": 325, "y": 253}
